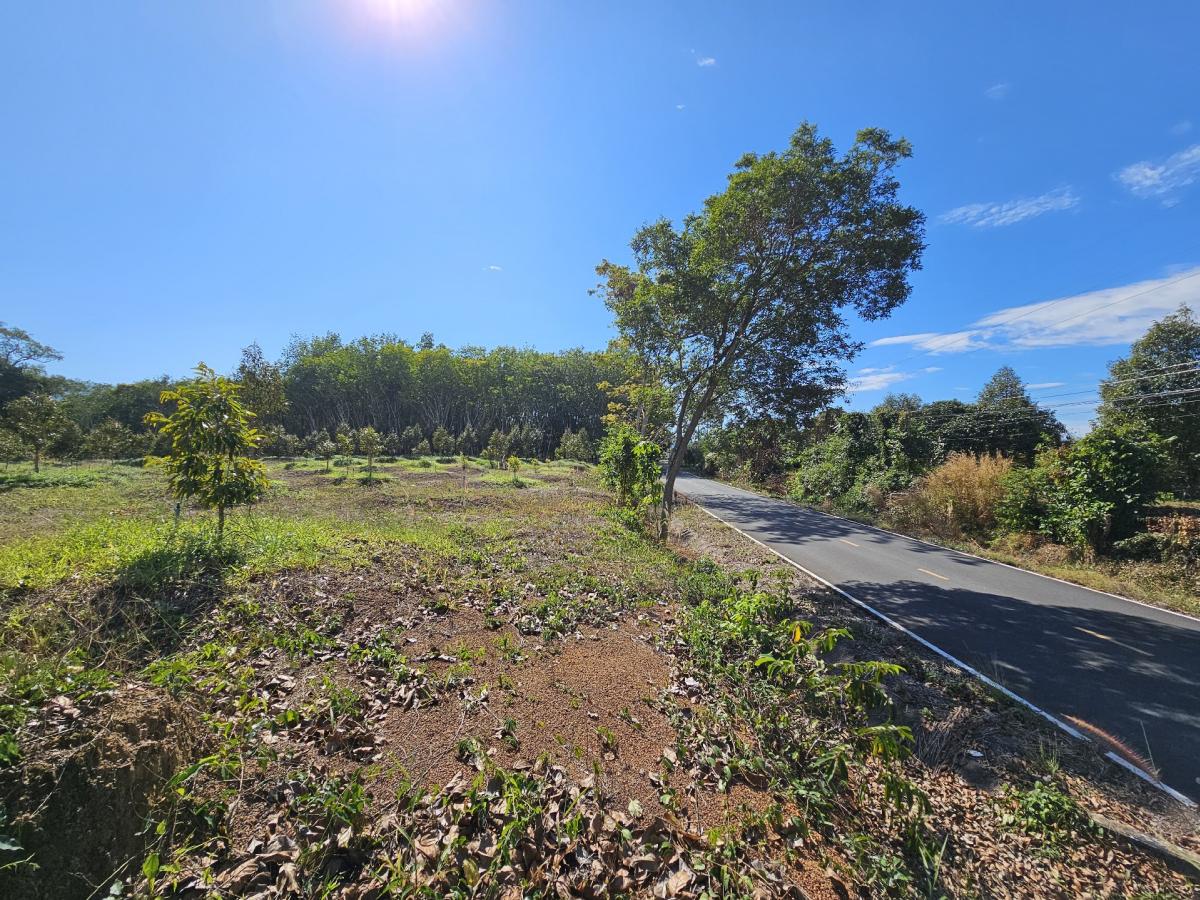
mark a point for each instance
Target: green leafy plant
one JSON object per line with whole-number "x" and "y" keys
{"x": 1047, "y": 813}
{"x": 326, "y": 449}
{"x": 369, "y": 445}
{"x": 210, "y": 438}
{"x": 1089, "y": 494}
{"x": 630, "y": 466}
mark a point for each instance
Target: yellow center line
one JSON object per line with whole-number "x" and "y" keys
{"x": 851, "y": 543}
{"x": 934, "y": 574}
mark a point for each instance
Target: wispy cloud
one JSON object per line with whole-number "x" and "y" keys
{"x": 1116, "y": 315}
{"x": 681, "y": 106}
{"x": 877, "y": 382}
{"x": 1163, "y": 179}
{"x": 945, "y": 342}
{"x": 706, "y": 61}
{"x": 998, "y": 91}
{"x": 494, "y": 268}
{"x": 1046, "y": 385}
{"x": 865, "y": 380}
{"x": 1183, "y": 126}
{"x": 1009, "y": 212}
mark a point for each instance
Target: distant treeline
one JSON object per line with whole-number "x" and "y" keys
{"x": 409, "y": 392}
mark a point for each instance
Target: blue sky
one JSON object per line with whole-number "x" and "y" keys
{"x": 179, "y": 179}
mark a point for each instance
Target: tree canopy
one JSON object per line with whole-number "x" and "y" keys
{"x": 1157, "y": 385}
{"x": 741, "y": 309}
{"x": 38, "y": 421}
{"x": 21, "y": 359}
{"x": 1005, "y": 420}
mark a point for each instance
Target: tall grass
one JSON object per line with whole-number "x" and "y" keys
{"x": 958, "y": 498}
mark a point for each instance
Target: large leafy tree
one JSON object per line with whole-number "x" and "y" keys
{"x": 741, "y": 309}
{"x": 262, "y": 386}
{"x": 211, "y": 439}
{"x": 1006, "y": 420}
{"x": 110, "y": 440}
{"x": 92, "y": 404}
{"x": 21, "y": 359}
{"x": 1157, "y": 385}
{"x": 39, "y": 422}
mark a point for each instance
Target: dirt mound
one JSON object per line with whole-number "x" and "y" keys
{"x": 79, "y": 804}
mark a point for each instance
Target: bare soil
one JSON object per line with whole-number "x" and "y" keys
{"x": 376, "y": 728}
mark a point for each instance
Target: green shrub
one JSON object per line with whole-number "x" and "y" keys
{"x": 1046, "y": 813}
{"x": 442, "y": 442}
{"x": 1024, "y": 493}
{"x": 631, "y": 466}
{"x": 1089, "y": 494}
{"x": 575, "y": 445}
{"x": 825, "y": 471}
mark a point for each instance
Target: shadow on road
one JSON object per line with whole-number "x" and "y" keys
{"x": 1137, "y": 679}
{"x": 779, "y": 521}
{"x": 1129, "y": 670}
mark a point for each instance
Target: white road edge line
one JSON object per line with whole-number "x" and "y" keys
{"x": 907, "y": 537}
{"x": 1054, "y": 720}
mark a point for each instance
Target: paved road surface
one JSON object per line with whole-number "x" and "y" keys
{"x": 1130, "y": 669}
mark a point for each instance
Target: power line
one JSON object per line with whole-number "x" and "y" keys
{"x": 1038, "y": 413}
{"x": 1110, "y": 382}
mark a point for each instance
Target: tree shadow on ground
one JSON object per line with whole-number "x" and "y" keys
{"x": 780, "y": 521}
{"x": 159, "y": 592}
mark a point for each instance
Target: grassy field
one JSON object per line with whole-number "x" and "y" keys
{"x": 440, "y": 680}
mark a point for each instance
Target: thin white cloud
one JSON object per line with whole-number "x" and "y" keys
{"x": 872, "y": 379}
{"x": 706, "y": 61}
{"x": 1183, "y": 126}
{"x": 1046, "y": 385}
{"x": 998, "y": 91}
{"x": 946, "y": 342}
{"x": 877, "y": 382}
{"x": 495, "y": 268}
{"x": 1117, "y": 315}
{"x": 681, "y": 106}
{"x": 990, "y": 215}
{"x": 1164, "y": 179}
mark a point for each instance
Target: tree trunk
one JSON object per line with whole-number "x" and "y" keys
{"x": 37, "y": 459}
{"x": 668, "y": 501}
{"x": 220, "y": 523}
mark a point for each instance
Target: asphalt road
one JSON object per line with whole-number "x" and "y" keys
{"x": 1129, "y": 669}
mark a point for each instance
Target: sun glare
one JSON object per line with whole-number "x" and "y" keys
{"x": 399, "y": 11}
{"x": 407, "y": 20}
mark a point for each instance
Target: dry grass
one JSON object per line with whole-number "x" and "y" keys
{"x": 957, "y": 498}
